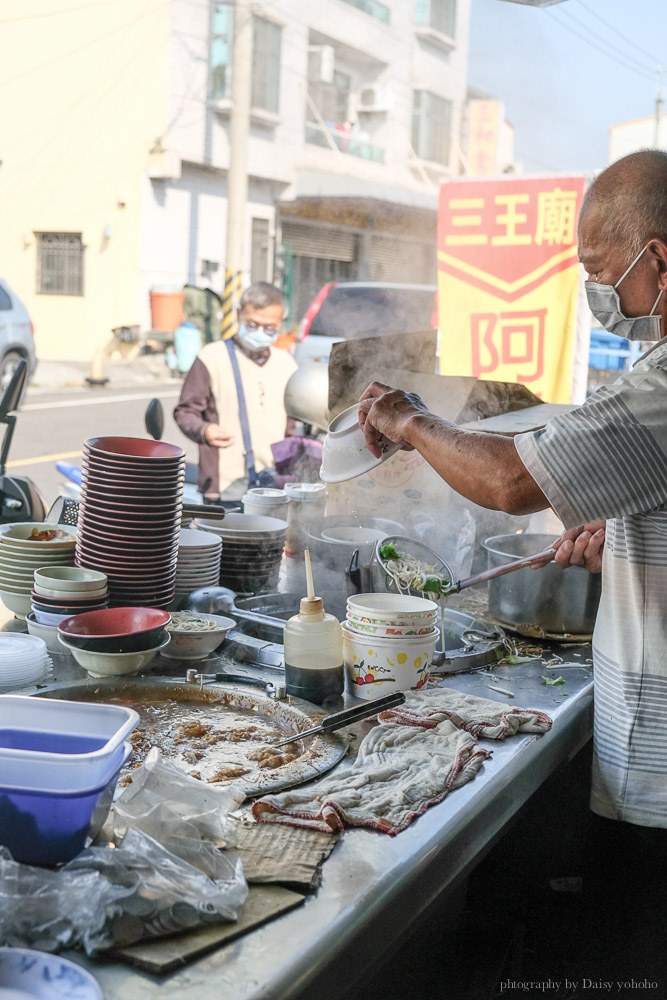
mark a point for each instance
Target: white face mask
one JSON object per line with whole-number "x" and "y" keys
{"x": 255, "y": 338}
{"x": 605, "y": 304}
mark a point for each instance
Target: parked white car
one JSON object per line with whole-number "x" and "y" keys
{"x": 16, "y": 335}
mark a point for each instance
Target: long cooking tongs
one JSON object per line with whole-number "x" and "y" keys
{"x": 345, "y": 718}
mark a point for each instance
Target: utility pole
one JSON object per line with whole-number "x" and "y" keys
{"x": 237, "y": 175}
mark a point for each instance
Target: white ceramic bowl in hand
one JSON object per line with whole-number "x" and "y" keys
{"x": 345, "y": 455}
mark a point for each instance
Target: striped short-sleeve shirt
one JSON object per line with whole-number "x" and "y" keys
{"x": 608, "y": 459}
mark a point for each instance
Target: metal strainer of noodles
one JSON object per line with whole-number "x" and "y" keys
{"x": 415, "y": 559}
{"x": 413, "y": 568}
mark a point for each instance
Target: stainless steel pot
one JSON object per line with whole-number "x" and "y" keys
{"x": 540, "y": 602}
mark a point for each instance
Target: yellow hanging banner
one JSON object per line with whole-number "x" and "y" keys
{"x": 508, "y": 278}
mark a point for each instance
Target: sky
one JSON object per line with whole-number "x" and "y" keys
{"x": 569, "y": 71}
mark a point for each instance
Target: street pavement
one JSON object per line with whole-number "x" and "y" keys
{"x": 122, "y": 373}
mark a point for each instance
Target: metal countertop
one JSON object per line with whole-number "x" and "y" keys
{"x": 375, "y": 887}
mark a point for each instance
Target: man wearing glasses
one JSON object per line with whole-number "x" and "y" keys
{"x": 209, "y": 410}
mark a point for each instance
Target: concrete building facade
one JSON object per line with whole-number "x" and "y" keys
{"x": 116, "y": 149}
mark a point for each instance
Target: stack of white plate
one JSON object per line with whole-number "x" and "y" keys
{"x": 25, "y": 547}
{"x": 23, "y": 660}
{"x": 252, "y": 551}
{"x": 198, "y": 562}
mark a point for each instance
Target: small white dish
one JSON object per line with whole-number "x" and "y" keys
{"x": 345, "y": 455}
{"x": 19, "y": 535}
{"x": 36, "y": 975}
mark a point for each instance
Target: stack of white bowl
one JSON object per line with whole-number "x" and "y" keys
{"x": 252, "y": 551}
{"x": 23, "y": 660}
{"x": 21, "y": 553}
{"x": 198, "y": 563}
{"x": 388, "y": 643}
{"x": 266, "y": 501}
{"x": 58, "y": 593}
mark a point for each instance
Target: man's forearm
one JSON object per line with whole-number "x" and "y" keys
{"x": 484, "y": 468}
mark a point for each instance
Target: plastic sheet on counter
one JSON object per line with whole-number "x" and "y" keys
{"x": 165, "y": 802}
{"x": 107, "y": 897}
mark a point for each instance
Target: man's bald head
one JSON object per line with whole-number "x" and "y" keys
{"x": 627, "y": 202}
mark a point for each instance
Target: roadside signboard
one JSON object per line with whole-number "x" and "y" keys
{"x": 508, "y": 279}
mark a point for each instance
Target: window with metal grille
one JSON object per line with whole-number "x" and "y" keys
{"x": 60, "y": 263}
{"x": 437, "y": 14}
{"x": 267, "y": 40}
{"x": 431, "y": 126}
{"x": 259, "y": 250}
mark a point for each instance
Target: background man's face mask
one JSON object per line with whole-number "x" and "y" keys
{"x": 604, "y": 303}
{"x": 254, "y": 337}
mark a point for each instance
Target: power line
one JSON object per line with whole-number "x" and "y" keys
{"x": 627, "y": 41}
{"x": 615, "y": 49}
{"x": 80, "y": 48}
{"x": 92, "y": 5}
{"x": 55, "y": 13}
{"x": 614, "y": 58}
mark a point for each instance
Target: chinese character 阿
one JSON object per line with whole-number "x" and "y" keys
{"x": 509, "y": 340}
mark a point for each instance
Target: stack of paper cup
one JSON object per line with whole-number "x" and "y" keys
{"x": 266, "y": 501}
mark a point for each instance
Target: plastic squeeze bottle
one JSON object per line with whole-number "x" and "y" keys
{"x": 313, "y": 644}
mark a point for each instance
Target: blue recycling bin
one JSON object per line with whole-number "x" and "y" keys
{"x": 187, "y": 345}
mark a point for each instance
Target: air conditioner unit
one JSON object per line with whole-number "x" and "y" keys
{"x": 374, "y": 99}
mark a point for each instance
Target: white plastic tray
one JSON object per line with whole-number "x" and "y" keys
{"x": 90, "y": 720}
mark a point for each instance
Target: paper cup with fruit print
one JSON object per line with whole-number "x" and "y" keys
{"x": 378, "y": 665}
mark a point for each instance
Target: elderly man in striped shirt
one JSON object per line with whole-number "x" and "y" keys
{"x": 602, "y": 465}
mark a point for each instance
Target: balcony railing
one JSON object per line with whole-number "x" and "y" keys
{"x": 346, "y": 143}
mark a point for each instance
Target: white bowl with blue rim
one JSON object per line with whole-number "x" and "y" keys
{"x": 27, "y": 973}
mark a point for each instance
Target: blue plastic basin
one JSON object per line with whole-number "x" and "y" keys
{"x": 48, "y": 826}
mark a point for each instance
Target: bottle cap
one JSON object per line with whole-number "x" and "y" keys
{"x": 311, "y": 606}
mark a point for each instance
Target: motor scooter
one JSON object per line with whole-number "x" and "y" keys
{"x": 20, "y": 499}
